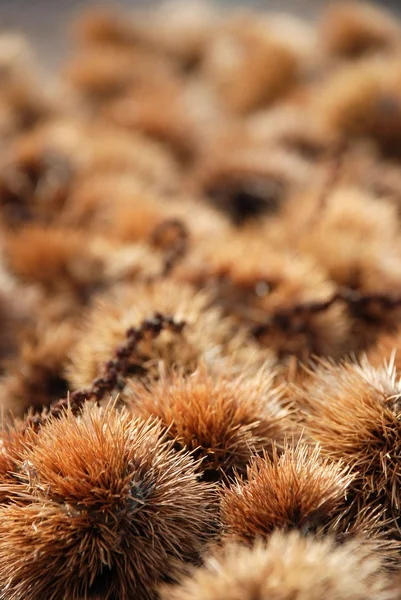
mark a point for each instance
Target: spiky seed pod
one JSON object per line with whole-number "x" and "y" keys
{"x": 118, "y": 152}
{"x": 381, "y": 537}
{"x": 223, "y": 419}
{"x": 293, "y": 129}
{"x": 135, "y": 262}
{"x": 13, "y": 443}
{"x": 238, "y": 178}
{"x": 113, "y": 373}
{"x": 104, "y": 505}
{"x": 297, "y": 489}
{"x": 34, "y": 182}
{"x": 353, "y": 412}
{"x": 136, "y": 211}
{"x": 353, "y": 29}
{"x": 337, "y": 241}
{"x": 264, "y": 68}
{"x": 36, "y": 176}
{"x": 122, "y": 151}
{"x": 257, "y": 292}
{"x": 206, "y": 334}
{"x": 37, "y": 378}
{"x": 365, "y": 167}
{"x": 289, "y": 566}
{"x": 106, "y": 72}
{"x": 363, "y": 100}
{"x": 65, "y": 261}
{"x": 139, "y": 110}
{"x": 57, "y": 259}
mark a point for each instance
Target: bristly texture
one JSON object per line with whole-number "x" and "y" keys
{"x": 353, "y": 412}
{"x": 351, "y": 30}
{"x": 13, "y": 443}
{"x": 297, "y": 489}
{"x": 114, "y": 371}
{"x": 223, "y": 419}
{"x": 256, "y": 291}
{"x": 37, "y": 378}
{"x": 288, "y": 567}
{"x": 243, "y": 183}
{"x": 56, "y": 259}
{"x": 66, "y": 262}
{"x": 206, "y": 335}
{"x": 381, "y": 538}
{"x": 335, "y": 239}
{"x": 265, "y": 67}
{"x": 200, "y": 220}
{"x": 355, "y": 100}
{"x": 104, "y": 506}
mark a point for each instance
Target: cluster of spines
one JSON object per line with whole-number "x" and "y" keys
{"x": 112, "y": 256}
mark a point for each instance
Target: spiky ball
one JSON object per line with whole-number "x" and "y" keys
{"x": 351, "y": 30}
{"x": 37, "y": 377}
{"x": 264, "y": 68}
{"x": 353, "y": 411}
{"x": 289, "y": 567}
{"x": 256, "y": 292}
{"x": 224, "y": 420}
{"x": 298, "y": 489}
{"x": 355, "y": 100}
{"x": 104, "y": 506}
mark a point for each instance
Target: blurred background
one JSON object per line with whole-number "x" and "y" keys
{"x": 46, "y": 22}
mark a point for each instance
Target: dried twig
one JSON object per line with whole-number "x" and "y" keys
{"x": 354, "y": 300}
{"x": 114, "y": 369}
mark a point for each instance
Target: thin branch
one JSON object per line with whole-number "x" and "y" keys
{"x": 114, "y": 369}
{"x": 354, "y": 300}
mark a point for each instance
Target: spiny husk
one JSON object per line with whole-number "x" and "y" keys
{"x": 224, "y": 420}
{"x": 352, "y": 410}
{"x": 206, "y": 335}
{"x": 296, "y": 489}
{"x": 104, "y": 504}
{"x": 288, "y": 566}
